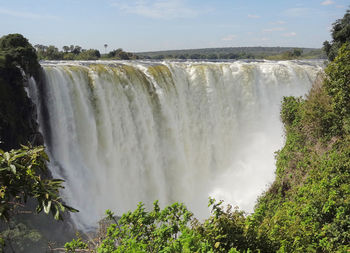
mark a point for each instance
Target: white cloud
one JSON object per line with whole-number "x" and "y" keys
{"x": 291, "y": 34}
{"x": 340, "y": 6}
{"x": 274, "y": 29}
{"x": 229, "y": 37}
{"x": 327, "y": 2}
{"x": 157, "y": 9}
{"x": 253, "y": 16}
{"x": 19, "y": 14}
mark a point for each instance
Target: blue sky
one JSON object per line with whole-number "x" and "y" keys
{"x": 147, "y": 25}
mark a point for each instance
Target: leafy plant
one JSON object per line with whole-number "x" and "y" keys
{"x": 21, "y": 177}
{"x": 159, "y": 230}
{"x": 224, "y": 229}
{"x": 73, "y": 245}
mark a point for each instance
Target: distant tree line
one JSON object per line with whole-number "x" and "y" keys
{"x": 120, "y": 54}
{"x": 75, "y": 52}
{"x": 198, "y": 56}
{"x": 235, "y": 53}
{"x": 287, "y": 55}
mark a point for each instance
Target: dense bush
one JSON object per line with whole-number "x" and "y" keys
{"x": 159, "y": 230}
{"x": 307, "y": 209}
{"x": 224, "y": 229}
{"x": 15, "y": 50}
{"x": 340, "y": 35}
{"x": 337, "y": 85}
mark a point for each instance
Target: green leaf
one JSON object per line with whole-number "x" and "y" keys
{"x": 13, "y": 168}
{"x": 71, "y": 209}
{"x": 57, "y": 215}
{"x": 47, "y": 207}
{"x": 7, "y": 156}
{"x": 39, "y": 208}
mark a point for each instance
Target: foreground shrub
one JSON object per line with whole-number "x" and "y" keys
{"x": 159, "y": 230}
{"x": 224, "y": 229}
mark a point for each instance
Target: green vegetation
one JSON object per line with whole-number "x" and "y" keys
{"x": 340, "y": 35}
{"x": 119, "y": 54}
{"x": 156, "y": 231}
{"x": 21, "y": 178}
{"x": 234, "y": 53}
{"x": 307, "y": 209}
{"x": 77, "y": 53}
{"x": 75, "y": 245}
{"x": 16, "y": 50}
{"x": 172, "y": 229}
{"x": 24, "y": 177}
{"x": 296, "y": 53}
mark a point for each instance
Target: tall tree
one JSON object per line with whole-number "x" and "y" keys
{"x": 65, "y": 49}
{"x": 76, "y": 50}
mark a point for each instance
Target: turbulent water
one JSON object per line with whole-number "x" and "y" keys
{"x": 124, "y": 132}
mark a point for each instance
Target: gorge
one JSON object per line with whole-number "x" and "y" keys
{"x": 123, "y": 132}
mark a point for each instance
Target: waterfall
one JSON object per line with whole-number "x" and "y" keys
{"x": 123, "y": 132}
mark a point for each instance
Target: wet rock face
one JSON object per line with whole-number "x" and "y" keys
{"x": 17, "y": 112}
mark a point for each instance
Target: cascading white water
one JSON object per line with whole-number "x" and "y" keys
{"x": 124, "y": 132}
